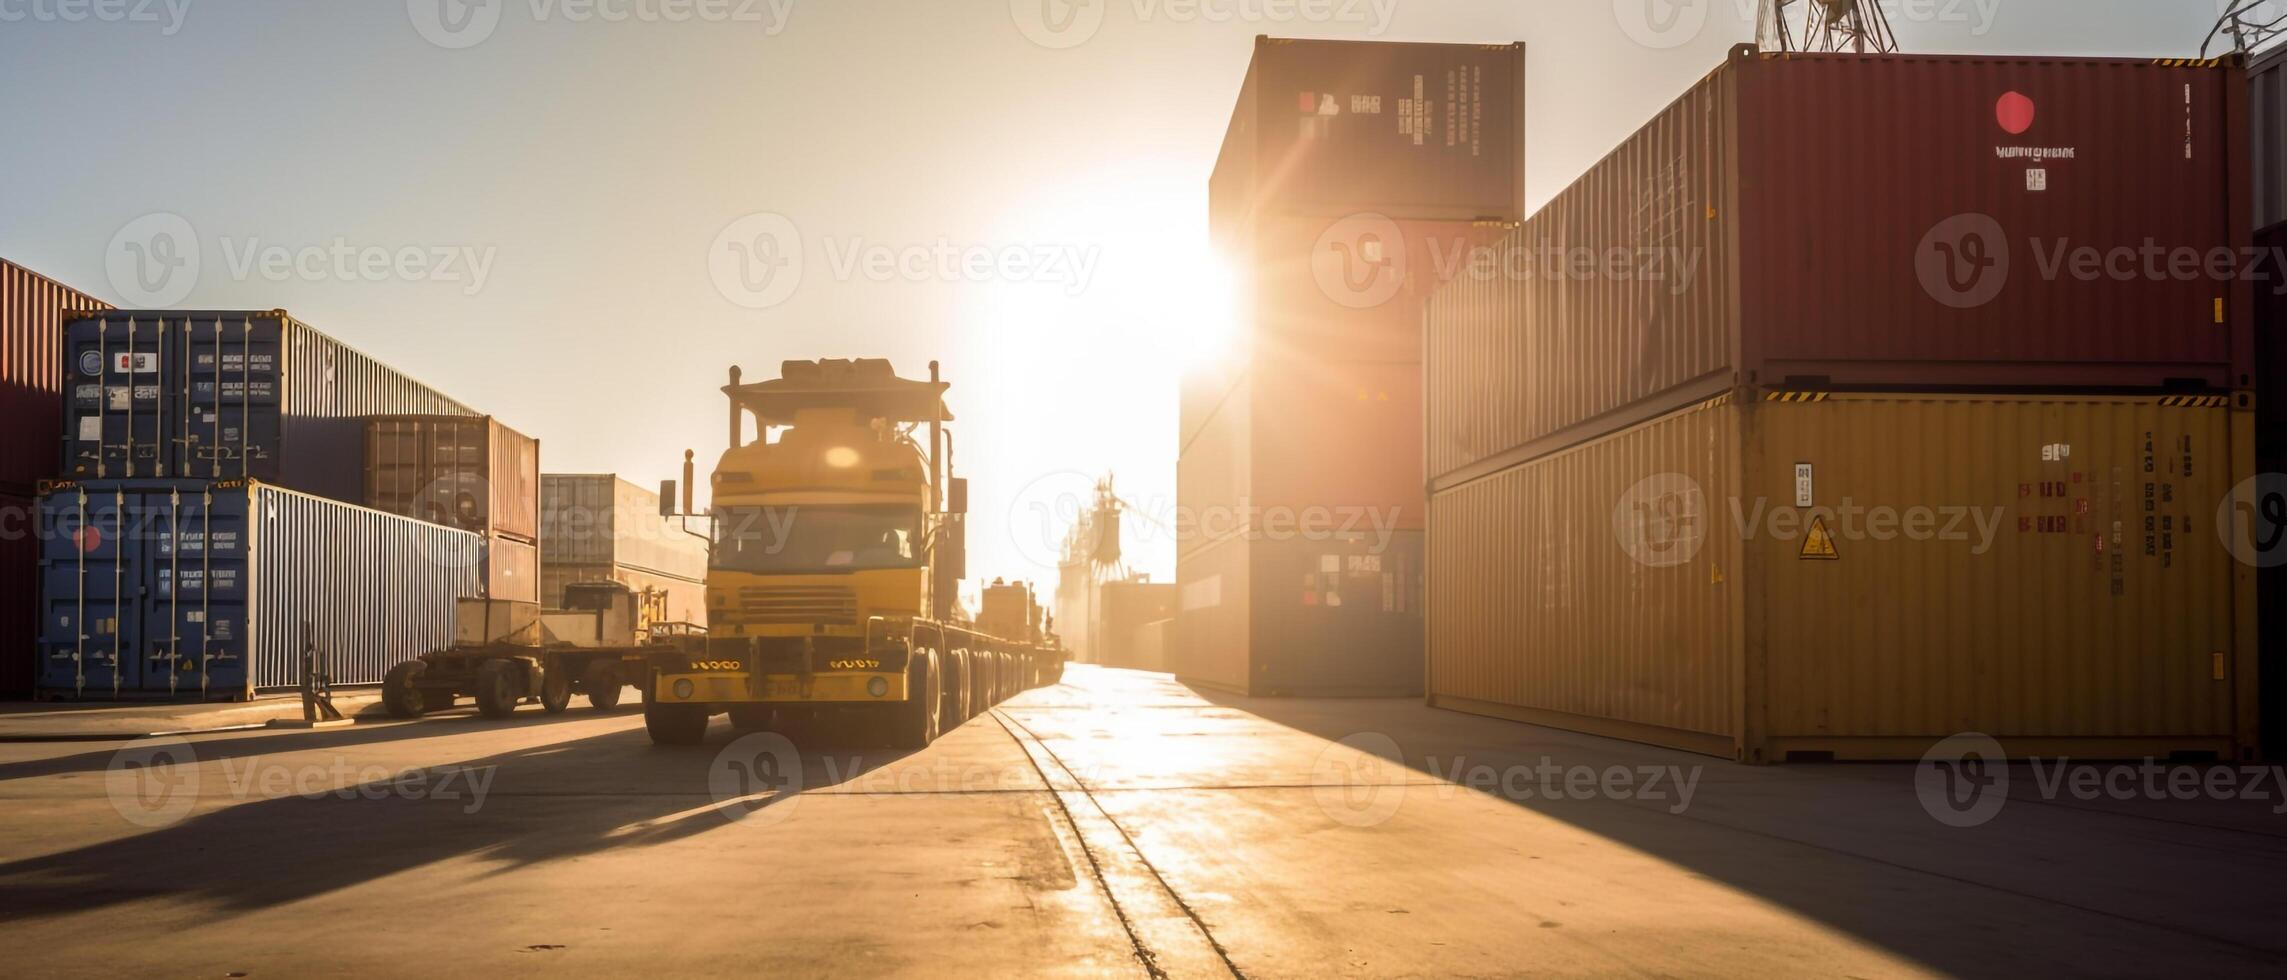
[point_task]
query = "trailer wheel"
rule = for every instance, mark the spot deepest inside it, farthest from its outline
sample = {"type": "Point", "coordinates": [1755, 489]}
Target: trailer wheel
{"type": "Point", "coordinates": [675, 724]}
{"type": "Point", "coordinates": [400, 695]}
{"type": "Point", "coordinates": [556, 689]}
{"type": "Point", "coordinates": [499, 685]}
{"type": "Point", "coordinates": [603, 684]}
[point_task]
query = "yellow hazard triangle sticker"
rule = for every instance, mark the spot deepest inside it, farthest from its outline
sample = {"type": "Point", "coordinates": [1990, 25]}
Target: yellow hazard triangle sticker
{"type": "Point", "coordinates": [1818, 545]}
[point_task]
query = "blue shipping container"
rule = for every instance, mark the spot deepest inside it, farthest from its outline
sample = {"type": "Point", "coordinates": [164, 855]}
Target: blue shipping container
{"type": "Point", "coordinates": [226, 396]}
{"type": "Point", "coordinates": [196, 590]}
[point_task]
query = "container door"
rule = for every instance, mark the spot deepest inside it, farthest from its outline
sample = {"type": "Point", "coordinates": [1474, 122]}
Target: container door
{"type": "Point", "coordinates": [91, 614]}
{"type": "Point", "coordinates": [124, 408]}
{"type": "Point", "coordinates": [199, 595]}
{"type": "Point", "coordinates": [234, 390]}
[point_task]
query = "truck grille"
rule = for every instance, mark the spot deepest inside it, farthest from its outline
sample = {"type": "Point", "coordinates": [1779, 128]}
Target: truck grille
{"type": "Point", "coordinates": [798, 606]}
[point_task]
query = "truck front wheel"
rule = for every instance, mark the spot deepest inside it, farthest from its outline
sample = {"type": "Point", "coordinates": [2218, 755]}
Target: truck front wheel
{"type": "Point", "coordinates": [675, 724]}
{"type": "Point", "coordinates": [914, 724]}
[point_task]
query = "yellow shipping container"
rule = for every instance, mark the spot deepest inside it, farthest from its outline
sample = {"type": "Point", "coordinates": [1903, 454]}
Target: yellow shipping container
{"type": "Point", "coordinates": [1857, 576]}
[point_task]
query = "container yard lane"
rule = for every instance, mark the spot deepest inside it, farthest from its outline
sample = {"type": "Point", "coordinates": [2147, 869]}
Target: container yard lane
{"type": "Point", "coordinates": [1116, 824]}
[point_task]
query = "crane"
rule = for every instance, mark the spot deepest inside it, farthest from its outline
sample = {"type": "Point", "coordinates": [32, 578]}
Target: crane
{"type": "Point", "coordinates": [2250, 24]}
{"type": "Point", "coordinates": [1857, 26]}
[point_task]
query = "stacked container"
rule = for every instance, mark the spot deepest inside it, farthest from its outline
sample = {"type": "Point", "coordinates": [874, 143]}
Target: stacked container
{"type": "Point", "coordinates": [214, 508]}
{"type": "Point", "coordinates": [1850, 451]}
{"type": "Point", "coordinates": [466, 472]}
{"type": "Point", "coordinates": [599, 528]}
{"type": "Point", "coordinates": [1352, 177]}
{"type": "Point", "coordinates": [32, 309]}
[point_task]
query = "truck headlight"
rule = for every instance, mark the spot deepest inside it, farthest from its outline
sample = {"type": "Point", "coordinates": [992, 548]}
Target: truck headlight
{"type": "Point", "coordinates": [877, 687]}
{"type": "Point", "coordinates": [684, 689]}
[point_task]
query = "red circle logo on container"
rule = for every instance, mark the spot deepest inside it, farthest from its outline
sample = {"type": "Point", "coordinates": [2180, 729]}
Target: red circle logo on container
{"type": "Point", "coordinates": [88, 538]}
{"type": "Point", "coordinates": [2015, 111]}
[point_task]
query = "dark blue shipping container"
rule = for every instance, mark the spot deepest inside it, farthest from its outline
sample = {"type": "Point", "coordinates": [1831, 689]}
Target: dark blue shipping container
{"type": "Point", "coordinates": [227, 396]}
{"type": "Point", "coordinates": [194, 590]}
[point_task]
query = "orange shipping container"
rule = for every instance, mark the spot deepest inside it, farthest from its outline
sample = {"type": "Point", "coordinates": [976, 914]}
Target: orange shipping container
{"type": "Point", "coordinates": [466, 472]}
{"type": "Point", "coordinates": [1859, 576]}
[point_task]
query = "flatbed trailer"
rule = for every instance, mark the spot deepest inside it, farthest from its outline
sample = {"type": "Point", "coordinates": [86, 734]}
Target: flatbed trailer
{"type": "Point", "coordinates": [510, 653]}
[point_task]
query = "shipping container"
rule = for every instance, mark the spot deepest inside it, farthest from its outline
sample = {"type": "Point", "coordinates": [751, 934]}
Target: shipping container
{"type": "Point", "coordinates": [1292, 615]}
{"type": "Point", "coordinates": [227, 396]}
{"type": "Point", "coordinates": [1339, 445]}
{"type": "Point", "coordinates": [1122, 609]}
{"type": "Point", "coordinates": [511, 569]}
{"type": "Point", "coordinates": [1856, 576]}
{"type": "Point", "coordinates": [1214, 627]}
{"type": "Point", "coordinates": [1350, 288]}
{"type": "Point", "coordinates": [600, 519]}
{"type": "Point", "coordinates": [2267, 136]}
{"type": "Point", "coordinates": [32, 309]}
{"type": "Point", "coordinates": [200, 590]}
{"type": "Point", "coordinates": [1878, 222]}
{"type": "Point", "coordinates": [1430, 131]}
{"type": "Point", "coordinates": [466, 472]}
{"type": "Point", "coordinates": [686, 598]}
{"type": "Point", "coordinates": [19, 594]}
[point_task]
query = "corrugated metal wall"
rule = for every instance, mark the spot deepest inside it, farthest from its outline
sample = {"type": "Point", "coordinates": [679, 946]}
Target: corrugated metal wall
{"type": "Point", "coordinates": [2100, 609]}
{"type": "Point", "coordinates": [380, 589]}
{"type": "Point", "coordinates": [471, 473]}
{"type": "Point", "coordinates": [1215, 474]}
{"type": "Point", "coordinates": [600, 519]}
{"type": "Point", "coordinates": [31, 375]}
{"type": "Point", "coordinates": [2044, 570]}
{"type": "Point", "coordinates": [203, 592]}
{"type": "Point", "coordinates": [1531, 346]}
{"type": "Point", "coordinates": [1598, 583]}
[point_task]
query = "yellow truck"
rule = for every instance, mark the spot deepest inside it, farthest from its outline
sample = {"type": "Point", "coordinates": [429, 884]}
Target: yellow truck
{"type": "Point", "coordinates": [833, 583]}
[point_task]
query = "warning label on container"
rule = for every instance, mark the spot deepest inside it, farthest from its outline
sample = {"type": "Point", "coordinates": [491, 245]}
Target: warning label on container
{"type": "Point", "coordinates": [1818, 545]}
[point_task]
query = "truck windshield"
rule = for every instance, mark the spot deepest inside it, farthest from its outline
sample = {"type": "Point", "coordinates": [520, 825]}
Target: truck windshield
{"type": "Point", "coordinates": [809, 538]}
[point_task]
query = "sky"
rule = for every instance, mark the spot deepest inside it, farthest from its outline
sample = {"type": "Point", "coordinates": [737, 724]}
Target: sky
{"type": "Point", "coordinates": [551, 209]}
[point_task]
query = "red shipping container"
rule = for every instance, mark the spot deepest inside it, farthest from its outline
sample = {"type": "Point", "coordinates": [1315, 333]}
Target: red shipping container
{"type": "Point", "coordinates": [1423, 131]}
{"type": "Point", "coordinates": [1823, 221]}
{"type": "Point", "coordinates": [31, 373]}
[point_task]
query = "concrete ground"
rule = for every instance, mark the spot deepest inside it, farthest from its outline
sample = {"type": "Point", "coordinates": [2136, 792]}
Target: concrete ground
{"type": "Point", "coordinates": [1117, 824]}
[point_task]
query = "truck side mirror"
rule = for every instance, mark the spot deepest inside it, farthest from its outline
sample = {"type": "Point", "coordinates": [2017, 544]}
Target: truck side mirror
{"type": "Point", "coordinates": [666, 498]}
{"type": "Point", "coordinates": [957, 550]}
{"type": "Point", "coordinates": [957, 496]}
